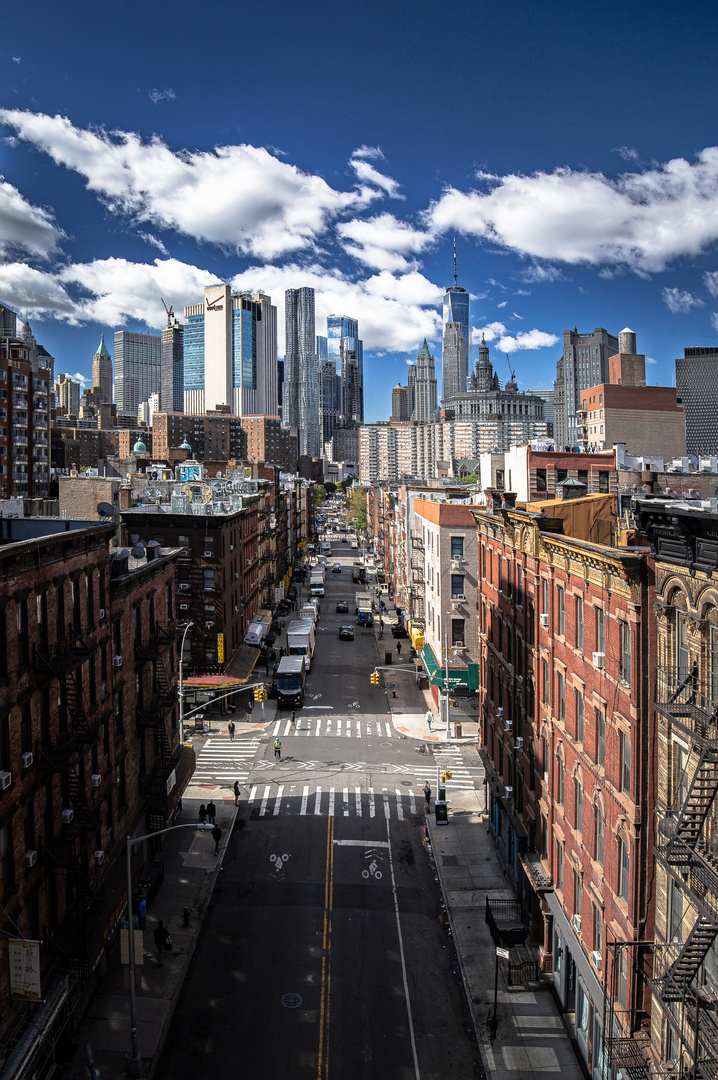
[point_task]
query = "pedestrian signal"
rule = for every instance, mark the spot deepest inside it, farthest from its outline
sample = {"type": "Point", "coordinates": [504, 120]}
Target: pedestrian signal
{"type": "Point", "coordinates": [375, 678]}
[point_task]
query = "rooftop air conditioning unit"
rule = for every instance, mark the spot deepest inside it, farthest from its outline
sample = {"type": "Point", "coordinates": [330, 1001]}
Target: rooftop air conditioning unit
{"type": "Point", "coordinates": [26, 760]}
{"type": "Point", "coordinates": [5, 780]}
{"type": "Point", "coordinates": [500, 711]}
{"type": "Point", "coordinates": [519, 742]}
{"type": "Point", "coordinates": [99, 857]}
{"type": "Point", "coordinates": [599, 660]}
{"type": "Point", "coordinates": [596, 959]}
{"type": "Point", "coordinates": [508, 791]}
{"type": "Point", "coordinates": [509, 725]}
{"type": "Point", "coordinates": [577, 923]}
{"type": "Point", "coordinates": [30, 858]}
{"type": "Point", "coordinates": [102, 614]}
{"type": "Point", "coordinates": [96, 779]}
{"type": "Point", "coordinates": [67, 816]}
{"type": "Point", "coordinates": [185, 586]}
{"type": "Point", "coordinates": [544, 620]}
{"type": "Point", "coordinates": [117, 661]}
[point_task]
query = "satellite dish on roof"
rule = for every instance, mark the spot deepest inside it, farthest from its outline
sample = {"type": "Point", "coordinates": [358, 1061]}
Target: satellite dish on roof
{"type": "Point", "coordinates": [105, 509]}
{"type": "Point", "coordinates": [138, 552]}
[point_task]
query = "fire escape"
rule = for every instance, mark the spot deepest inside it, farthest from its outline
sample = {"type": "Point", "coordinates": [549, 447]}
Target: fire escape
{"type": "Point", "coordinates": [684, 846]}
{"type": "Point", "coordinates": [63, 752]}
{"type": "Point", "coordinates": [416, 585]}
{"type": "Point", "coordinates": [154, 715]}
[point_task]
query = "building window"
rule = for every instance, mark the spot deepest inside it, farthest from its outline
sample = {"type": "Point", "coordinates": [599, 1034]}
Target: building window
{"type": "Point", "coordinates": [578, 703]}
{"type": "Point", "coordinates": [675, 911]}
{"type": "Point", "coordinates": [623, 868]}
{"type": "Point", "coordinates": [23, 639]}
{"type": "Point", "coordinates": [544, 742]}
{"type": "Point", "coordinates": [578, 800]}
{"type": "Point", "coordinates": [625, 762]}
{"type": "Point", "coordinates": [457, 547]}
{"type": "Point", "coordinates": [7, 859]}
{"type": "Point", "coordinates": [560, 781]}
{"type": "Point", "coordinates": [559, 866]}
{"type": "Point", "coordinates": [544, 596]}
{"type": "Point", "coordinates": [622, 977]}
{"type": "Point", "coordinates": [625, 645]}
{"type": "Point", "coordinates": [121, 786]}
{"type": "Point", "coordinates": [25, 727]}
{"type": "Point", "coordinates": [457, 585]}
{"type": "Point", "coordinates": [603, 479]}
{"type": "Point", "coordinates": [600, 737]}
{"type": "Point", "coordinates": [561, 683]}
{"type": "Point", "coordinates": [540, 480]}
{"type": "Point", "coordinates": [208, 580]}
{"type": "Point", "coordinates": [598, 839]}
{"type": "Point", "coordinates": [561, 611]}
{"type": "Point", "coordinates": [577, 894]}
{"type": "Point", "coordinates": [597, 931]}
{"type": "Point", "coordinates": [600, 631]}
{"type": "Point", "coordinates": [457, 632]}
{"type": "Point", "coordinates": [579, 622]}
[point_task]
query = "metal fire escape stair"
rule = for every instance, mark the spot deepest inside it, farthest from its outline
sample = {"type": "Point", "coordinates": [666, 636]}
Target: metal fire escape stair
{"type": "Point", "coordinates": [694, 811]}
{"type": "Point", "coordinates": [80, 724]}
{"type": "Point", "coordinates": [684, 969]}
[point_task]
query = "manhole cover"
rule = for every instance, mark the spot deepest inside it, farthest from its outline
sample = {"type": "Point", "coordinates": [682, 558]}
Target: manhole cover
{"type": "Point", "coordinates": [406, 783]}
{"type": "Point", "coordinates": [384, 744]}
{"type": "Point", "coordinates": [291, 1001]}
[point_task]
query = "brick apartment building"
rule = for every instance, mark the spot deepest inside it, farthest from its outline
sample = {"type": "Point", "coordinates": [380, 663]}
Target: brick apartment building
{"type": "Point", "coordinates": [88, 752]}
{"type": "Point", "coordinates": [568, 637]}
{"type": "Point", "coordinates": [25, 384]}
{"type": "Point", "coordinates": [219, 436]}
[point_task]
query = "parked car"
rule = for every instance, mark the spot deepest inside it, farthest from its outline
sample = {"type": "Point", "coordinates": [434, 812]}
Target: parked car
{"type": "Point", "coordinates": [292, 593]}
{"type": "Point", "coordinates": [346, 633]}
{"type": "Point", "coordinates": [398, 630]}
{"type": "Point", "coordinates": [337, 568]}
{"type": "Point", "coordinates": [342, 607]}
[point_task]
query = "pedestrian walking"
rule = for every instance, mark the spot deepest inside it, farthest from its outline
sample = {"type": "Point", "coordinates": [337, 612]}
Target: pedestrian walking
{"type": "Point", "coordinates": [231, 728]}
{"type": "Point", "coordinates": [281, 652]}
{"type": "Point", "coordinates": [427, 794]}
{"type": "Point", "coordinates": [202, 813]}
{"type": "Point", "coordinates": [141, 911]}
{"type": "Point", "coordinates": [398, 648]}
{"type": "Point", "coordinates": [250, 709]}
{"type": "Point", "coordinates": [216, 836]}
{"type": "Point", "coordinates": [429, 717]}
{"type": "Point", "coordinates": [293, 724]}
{"type": "Point", "coordinates": [236, 792]}
{"type": "Point", "coordinates": [163, 941]}
{"type": "Point", "coordinates": [211, 812]}
{"type": "Point", "coordinates": [267, 662]}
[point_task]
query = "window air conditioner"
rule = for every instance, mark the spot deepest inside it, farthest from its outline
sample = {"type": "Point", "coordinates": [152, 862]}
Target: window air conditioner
{"type": "Point", "coordinates": [596, 960]}
{"type": "Point", "coordinates": [185, 586]}
{"type": "Point", "coordinates": [102, 614]}
{"type": "Point", "coordinates": [509, 725]}
{"type": "Point", "coordinates": [184, 607]}
{"type": "Point", "coordinates": [544, 620]}
{"type": "Point", "coordinates": [458, 645]}
{"type": "Point", "coordinates": [500, 711]}
{"type": "Point", "coordinates": [5, 780]}
{"type": "Point", "coordinates": [458, 599]}
{"type": "Point", "coordinates": [30, 858]}
{"type": "Point", "coordinates": [519, 742]}
{"type": "Point", "coordinates": [456, 564]}
{"type": "Point", "coordinates": [208, 554]}
{"type": "Point", "coordinates": [508, 791]}
{"type": "Point", "coordinates": [599, 660]}
{"type": "Point", "coordinates": [99, 857]}
{"type": "Point", "coordinates": [577, 923]}
{"type": "Point", "coordinates": [117, 661]}
{"type": "Point", "coordinates": [67, 816]}
{"type": "Point", "coordinates": [96, 779]}
{"type": "Point", "coordinates": [26, 760]}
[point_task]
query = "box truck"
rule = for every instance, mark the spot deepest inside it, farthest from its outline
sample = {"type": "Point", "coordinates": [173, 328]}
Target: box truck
{"type": "Point", "coordinates": [290, 681]}
{"type": "Point", "coordinates": [300, 640]}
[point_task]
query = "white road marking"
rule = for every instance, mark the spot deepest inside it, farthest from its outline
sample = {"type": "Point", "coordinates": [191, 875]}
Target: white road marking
{"type": "Point", "coordinates": [278, 800]}
{"type": "Point", "coordinates": [317, 802]}
{"type": "Point", "coordinates": [372, 805]}
{"type": "Point", "coordinates": [357, 796]}
{"type": "Point", "coordinates": [345, 801]}
{"type": "Point", "coordinates": [399, 807]}
{"type": "Point", "coordinates": [263, 807]}
{"type": "Point", "coordinates": [331, 802]}
{"type": "Point", "coordinates": [305, 799]}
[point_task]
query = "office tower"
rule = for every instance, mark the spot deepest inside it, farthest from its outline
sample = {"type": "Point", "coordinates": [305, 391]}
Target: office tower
{"type": "Point", "coordinates": [345, 351]}
{"type": "Point", "coordinates": [67, 394]}
{"type": "Point", "coordinates": [172, 393]}
{"type": "Point", "coordinates": [583, 364]}
{"type": "Point", "coordinates": [548, 399]}
{"type": "Point", "coordinates": [138, 369]}
{"type": "Point", "coordinates": [402, 403]}
{"type": "Point", "coordinates": [328, 383]}
{"type": "Point", "coordinates": [455, 363]}
{"type": "Point", "coordinates": [301, 375]}
{"type": "Point", "coordinates": [697, 389]}
{"type": "Point", "coordinates": [230, 353]}
{"type": "Point", "coordinates": [280, 387]}
{"type": "Point", "coordinates": [425, 393]}
{"type": "Point", "coordinates": [102, 372]}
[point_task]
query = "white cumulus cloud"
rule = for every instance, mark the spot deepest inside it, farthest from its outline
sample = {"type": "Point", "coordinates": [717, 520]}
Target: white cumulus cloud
{"type": "Point", "coordinates": [383, 242]}
{"type": "Point", "coordinates": [641, 220]}
{"type": "Point", "coordinates": [679, 301]}
{"type": "Point", "coordinates": [710, 280]}
{"type": "Point", "coordinates": [509, 343]}
{"type": "Point", "coordinates": [240, 197]}
{"type": "Point", "coordinates": [25, 227]}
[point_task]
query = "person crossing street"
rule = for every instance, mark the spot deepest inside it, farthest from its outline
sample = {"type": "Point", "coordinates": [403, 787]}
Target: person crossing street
{"type": "Point", "coordinates": [278, 749]}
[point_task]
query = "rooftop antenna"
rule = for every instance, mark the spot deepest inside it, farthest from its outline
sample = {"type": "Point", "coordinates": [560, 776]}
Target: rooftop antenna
{"type": "Point", "coordinates": [456, 279]}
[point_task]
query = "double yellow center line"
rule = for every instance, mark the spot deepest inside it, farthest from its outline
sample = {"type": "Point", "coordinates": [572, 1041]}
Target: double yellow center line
{"type": "Point", "coordinates": [324, 1002]}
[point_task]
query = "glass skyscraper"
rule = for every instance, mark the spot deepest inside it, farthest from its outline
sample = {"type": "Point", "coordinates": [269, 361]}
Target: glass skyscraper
{"type": "Point", "coordinates": [455, 367]}
{"type": "Point", "coordinates": [300, 401]}
{"type": "Point", "coordinates": [345, 351]}
{"type": "Point", "coordinates": [138, 369]}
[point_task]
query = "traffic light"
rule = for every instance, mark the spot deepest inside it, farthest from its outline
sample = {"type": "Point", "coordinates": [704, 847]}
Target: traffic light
{"type": "Point", "coordinates": [260, 694]}
{"type": "Point", "coordinates": [375, 678]}
{"type": "Point", "coordinates": [446, 776]}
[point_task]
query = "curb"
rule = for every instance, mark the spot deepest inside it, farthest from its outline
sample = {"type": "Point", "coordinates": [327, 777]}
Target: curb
{"type": "Point", "coordinates": [190, 952]}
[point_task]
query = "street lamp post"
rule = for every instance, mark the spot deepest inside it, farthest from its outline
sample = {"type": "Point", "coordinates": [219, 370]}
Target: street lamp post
{"type": "Point", "coordinates": [181, 688]}
{"type": "Point", "coordinates": [133, 1066]}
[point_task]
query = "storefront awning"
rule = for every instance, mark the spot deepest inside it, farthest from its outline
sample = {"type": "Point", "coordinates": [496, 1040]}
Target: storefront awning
{"type": "Point", "coordinates": [467, 677]}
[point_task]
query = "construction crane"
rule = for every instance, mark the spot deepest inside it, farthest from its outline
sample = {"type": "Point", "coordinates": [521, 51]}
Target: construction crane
{"type": "Point", "coordinates": [170, 312]}
{"type": "Point", "coordinates": [511, 370]}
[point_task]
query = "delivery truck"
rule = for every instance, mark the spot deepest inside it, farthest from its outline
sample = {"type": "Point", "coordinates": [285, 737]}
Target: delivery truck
{"type": "Point", "coordinates": [290, 681]}
{"type": "Point", "coordinates": [301, 639]}
{"type": "Point", "coordinates": [363, 609]}
{"type": "Point", "coordinates": [259, 627]}
{"type": "Point", "coordinates": [316, 582]}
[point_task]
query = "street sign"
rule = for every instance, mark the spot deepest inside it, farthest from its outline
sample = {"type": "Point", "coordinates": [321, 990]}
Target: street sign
{"type": "Point", "coordinates": [220, 648]}
{"type": "Point", "coordinates": [503, 953]}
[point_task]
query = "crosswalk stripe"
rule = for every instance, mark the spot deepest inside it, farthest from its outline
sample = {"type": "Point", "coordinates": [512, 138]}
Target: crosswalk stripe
{"type": "Point", "coordinates": [263, 807]}
{"type": "Point", "coordinates": [317, 802]}
{"type": "Point", "coordinates": [252, 794]}
{"type": "Point", "coordinates": [372, 806]}
{"type": "Point", "coordinates": [399, 807]}
{"type": "Point", "coordinates": [278, 800]}
{"type": "Point", "coordinates": [268, 803]}
{"type": "Point", "coordinates": [331, 802]}
{"type": "Point", "coordinates": [305, 799]}
{"type": "Point", "coordinates": [357, 796]}
{"type": "Point", "coordinates": [412, 803]}
{"type": "Point", "coordinates": [345, 795]}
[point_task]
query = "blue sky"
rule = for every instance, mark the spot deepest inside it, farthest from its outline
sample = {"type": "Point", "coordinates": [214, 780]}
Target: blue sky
{"type": "Point", "coordinates": [149, 149]}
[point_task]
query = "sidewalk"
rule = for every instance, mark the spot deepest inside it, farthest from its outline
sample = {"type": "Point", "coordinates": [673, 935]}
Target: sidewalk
{"type": "Point", "coordinates": [191, 868]}
{"type": "Point", "coordinates": [531, 1039]}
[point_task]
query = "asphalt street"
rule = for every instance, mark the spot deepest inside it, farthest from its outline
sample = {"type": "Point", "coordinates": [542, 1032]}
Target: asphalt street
{"type": "Point", "coordinates": [324, 953]}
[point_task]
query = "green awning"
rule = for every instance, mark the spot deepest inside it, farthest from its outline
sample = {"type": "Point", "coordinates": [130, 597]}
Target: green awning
{"type": "Point", "coordinates": [467, 677]}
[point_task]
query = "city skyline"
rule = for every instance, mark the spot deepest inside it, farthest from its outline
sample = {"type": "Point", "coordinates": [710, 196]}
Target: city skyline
{"type": "Point", "coordinates": [117, 194]}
